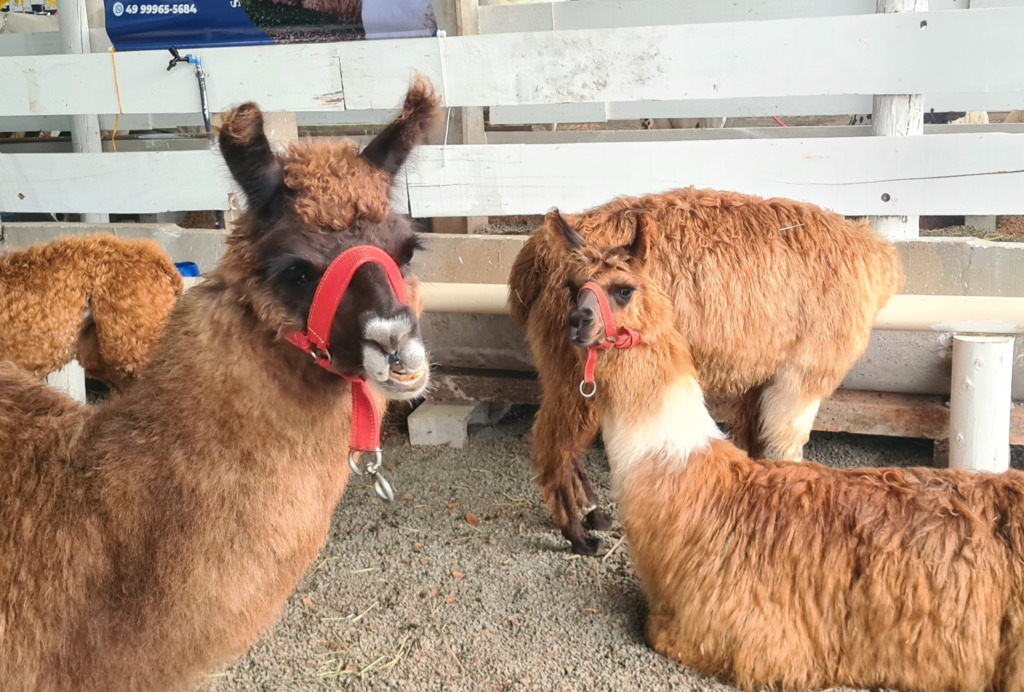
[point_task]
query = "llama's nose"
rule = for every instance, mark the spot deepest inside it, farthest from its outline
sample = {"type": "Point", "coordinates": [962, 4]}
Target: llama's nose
{"type": "Point", "coordinates": [581, 323]}
{"type": "Point", "coordinates": [579, 319]}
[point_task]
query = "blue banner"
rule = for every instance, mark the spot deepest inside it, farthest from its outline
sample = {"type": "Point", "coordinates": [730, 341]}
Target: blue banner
{"type": "Point", "coordinates": [159, 25]}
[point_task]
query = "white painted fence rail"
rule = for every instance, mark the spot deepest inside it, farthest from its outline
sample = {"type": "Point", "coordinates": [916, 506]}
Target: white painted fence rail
{"type": "Point", "coordinates": [849, 55]}
{"type": "Point", "coordinates": [928, 174]}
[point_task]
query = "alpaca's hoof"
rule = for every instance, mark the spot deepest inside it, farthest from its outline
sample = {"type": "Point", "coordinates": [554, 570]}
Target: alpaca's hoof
{"type": "Point", "coordinates": [597, 520]}
{"type": "Point", "coordinates": [590, 545]}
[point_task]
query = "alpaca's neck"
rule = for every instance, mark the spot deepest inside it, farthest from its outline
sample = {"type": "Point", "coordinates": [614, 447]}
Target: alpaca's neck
{"type": "Point", "coordinates": [652, 409]}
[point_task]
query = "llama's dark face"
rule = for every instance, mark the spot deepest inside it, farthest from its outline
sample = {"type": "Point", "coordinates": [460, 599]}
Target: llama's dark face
{"type": "Point", "coordinates": [310, 204]}
{"type": "Point", "coordinates": [620, 274]}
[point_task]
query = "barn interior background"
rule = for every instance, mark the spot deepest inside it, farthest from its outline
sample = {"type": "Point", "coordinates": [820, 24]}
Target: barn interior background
{"type": "Point", "coordinates": [547, 106]}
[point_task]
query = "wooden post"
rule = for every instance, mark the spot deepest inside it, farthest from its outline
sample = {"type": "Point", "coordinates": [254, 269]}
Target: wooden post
{"type": "Point", "coordinates": [980, 403]}
{"type": "Point", "coordinates": [70, 379]}
{"type": "Point", "coordinates": [470, 122]}
{"type": "Point", "coordinates": [898, 115]}
{"type": "Point", "coordinates": [85, 129]}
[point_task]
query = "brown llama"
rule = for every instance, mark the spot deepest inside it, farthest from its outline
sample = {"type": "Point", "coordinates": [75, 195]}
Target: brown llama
{"type": "Point", "coordinates": [100, 299]}
{"type": "Point", "coordinates": [781, 575]}
{"type": "Point", "coordinates": [152, 538]}
{"type": "Point", "coordinates": [775, 297]}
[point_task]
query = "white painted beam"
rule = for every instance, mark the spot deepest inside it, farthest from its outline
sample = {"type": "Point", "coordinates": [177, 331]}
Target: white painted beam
{"type": "Point", "coordinates": [851, 55]}
{"type": "Point", "coordinates": [949, 174]}
{"type": "Point", "coordinates": [70, 379]}
{"type": "Point", "coordinates": [978, 174]}
{"type": "Point", "coordinates": [738, 107]}
{"type": "Point", "coordinates": [980, 403]}
{"type": "Point", "coordinates": [598, 14]}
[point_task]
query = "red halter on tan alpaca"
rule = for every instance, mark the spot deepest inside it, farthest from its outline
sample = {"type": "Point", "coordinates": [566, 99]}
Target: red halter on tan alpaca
{"type": "Point", "coordinates": [624, 337]}
{"type": "Point", "coordinates": [316, 342]}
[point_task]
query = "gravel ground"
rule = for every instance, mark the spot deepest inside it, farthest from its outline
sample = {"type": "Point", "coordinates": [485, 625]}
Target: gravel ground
{"type": "Point", "coordinates": [463, 583]}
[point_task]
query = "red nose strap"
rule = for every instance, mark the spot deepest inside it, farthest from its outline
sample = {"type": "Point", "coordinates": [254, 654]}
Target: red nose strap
{"type": "Point", "coordinates": [316, 341]}
{"type": "Point", "coordinates": [624, 337]}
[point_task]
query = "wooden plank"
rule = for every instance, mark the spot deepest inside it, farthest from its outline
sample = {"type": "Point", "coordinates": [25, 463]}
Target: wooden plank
{"type": "Point", "coordinates": [793, 132]}
{"type": "Point", "coordinates": [598, 14]}
{"type": "Point", "coordinates": [306, 75]}
{"type": "Point", "coordinates": [855, 176]}
{"type": "Point", "coordinates": [738, 108]}
{"type": "Point", "coordinates": [135, 182]}
{"type": "Point", "coordinates": [125, 183]}
{"type": "Point", "coordinates": [944, 175]}
{"type": "Point", "coordinates": [851, 55]}
{"type": "Point", "coordinates": [46, 43]}
{"type": "Point", "coordinates": [863, 413]}
{"type": "Point", "coordinates": [797, 57]}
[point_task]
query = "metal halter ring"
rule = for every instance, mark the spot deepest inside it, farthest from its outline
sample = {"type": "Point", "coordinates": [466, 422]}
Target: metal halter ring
{"type": "Point", "coordinates": [353, 461]}
{"type": "Point", "coordinates": [383, 488]}
{"type": "Point", "coordinates": [593, 390]}
{"type": "Point", "coordinates": [319, 353]}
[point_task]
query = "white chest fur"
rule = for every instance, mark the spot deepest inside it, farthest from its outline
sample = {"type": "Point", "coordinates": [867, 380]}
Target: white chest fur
{"type": "Point", "coordinates": [668, 432]}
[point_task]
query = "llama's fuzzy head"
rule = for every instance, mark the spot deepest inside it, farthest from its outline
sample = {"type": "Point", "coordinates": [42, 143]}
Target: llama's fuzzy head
{"type": "Point", "coordinates": [307, 205]}
{"type": "Point", "coordinates": [621, 272]}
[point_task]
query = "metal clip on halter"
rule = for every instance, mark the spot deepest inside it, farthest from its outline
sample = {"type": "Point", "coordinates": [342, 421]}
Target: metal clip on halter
{"type": "Point", "coordinates": [593, 389]}
{"type": "Point", "coordinates": [380, 484]}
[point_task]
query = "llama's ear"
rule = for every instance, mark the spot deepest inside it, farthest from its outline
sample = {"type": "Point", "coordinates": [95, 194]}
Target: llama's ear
{"type": "Point", "coordinates": [247, 153]}
{"type": "Point", "coordinates": [569, 234]}
{"type": "Point", "coordinates": [389, 150]}
{"type": "Point", "coordinates": [642, 237]}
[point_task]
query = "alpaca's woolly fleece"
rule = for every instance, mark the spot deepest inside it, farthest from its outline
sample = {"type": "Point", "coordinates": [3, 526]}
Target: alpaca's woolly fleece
{"type": "Point", "coordinates": [98, 298]}
{"type": "Point", "coordinates": [776, 297]}
{"type": "Point", "coordinates": [149, 539]}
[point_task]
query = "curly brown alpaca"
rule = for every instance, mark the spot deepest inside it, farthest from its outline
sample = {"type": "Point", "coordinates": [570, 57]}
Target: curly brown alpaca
{"type": "Point", "coordinates": [776, 298]}
{"type": "Point", "coordinates": [792, 576]}
{"type": "Point", "coordinates": [152, 538]}
{"type": "Point", "coordinates": [98, 298]}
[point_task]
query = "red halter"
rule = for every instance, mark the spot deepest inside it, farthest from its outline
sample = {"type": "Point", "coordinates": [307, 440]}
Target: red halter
{"type": "Point", "coordinates": [624, 337]}
{"type": "Point", "coordinates": [315, 341]}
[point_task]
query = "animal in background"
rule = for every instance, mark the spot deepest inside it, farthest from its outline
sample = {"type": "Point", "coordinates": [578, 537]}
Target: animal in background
{"type": "Point", "coordinates": [776, 298]}
{"type": "Point", "coordinates": [782, 575]}
{"type": "Point", "coordinates": [98, 298]}
{"type": "Point", "coordinates": [151, 538]}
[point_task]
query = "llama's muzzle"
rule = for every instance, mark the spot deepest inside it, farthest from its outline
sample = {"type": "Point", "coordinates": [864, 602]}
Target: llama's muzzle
{"type": "Point", "coordinates": [586, 325]}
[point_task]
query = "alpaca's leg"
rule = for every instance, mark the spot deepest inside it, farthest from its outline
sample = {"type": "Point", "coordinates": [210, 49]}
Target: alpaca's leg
{"type": "Point", "coordinates": [595, 518]}
{"type": "Point", "coordinates": [565, 428]}
{"type": "Point", "coordinates": [745, 423]}
{"type": "Point", "coordinates": [787, 416]}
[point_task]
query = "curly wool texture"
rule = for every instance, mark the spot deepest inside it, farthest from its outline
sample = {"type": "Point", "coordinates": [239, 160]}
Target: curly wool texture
{"type": "Point", "coordinates": [126, 287]}
{"type": "Point", "coordinates": [333, 186]}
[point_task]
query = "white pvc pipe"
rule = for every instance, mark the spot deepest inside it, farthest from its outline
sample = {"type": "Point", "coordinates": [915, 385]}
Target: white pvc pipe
{"type": "Point", "coordinates": [980, 403]}
{"type": "Point", "coordinates": [972, 314]}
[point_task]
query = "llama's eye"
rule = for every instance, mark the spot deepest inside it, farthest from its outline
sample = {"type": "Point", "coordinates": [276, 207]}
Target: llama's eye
{"type": "Point", "coordinates": [625, 293]}
{"type": "Point", "coordinates": [297, 274]}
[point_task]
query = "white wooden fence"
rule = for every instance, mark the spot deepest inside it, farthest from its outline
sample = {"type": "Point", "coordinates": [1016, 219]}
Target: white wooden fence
{"type": "Point", "coordinates": [785, 57]}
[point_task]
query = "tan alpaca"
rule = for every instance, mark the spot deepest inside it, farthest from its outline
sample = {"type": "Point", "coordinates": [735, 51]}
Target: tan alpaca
{"type": "Point", "coordinates": [152, 538]}
{"type": "Point", "coordinates": [100, 299]}
{"type": "Point", "coordinates": [788, 575]}
{"type": "Point", "coordinates": [776, 298]}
